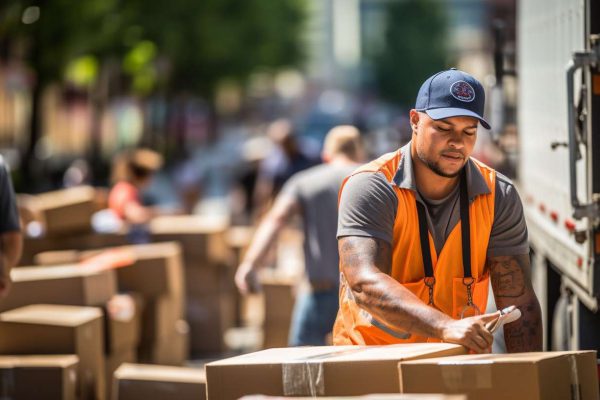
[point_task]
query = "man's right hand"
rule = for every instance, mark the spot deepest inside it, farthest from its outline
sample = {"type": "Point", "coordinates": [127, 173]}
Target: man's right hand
{"type": "Point", "coordinates": [470, 332]}
{"type": "Point", "coordinates": [246, 279]}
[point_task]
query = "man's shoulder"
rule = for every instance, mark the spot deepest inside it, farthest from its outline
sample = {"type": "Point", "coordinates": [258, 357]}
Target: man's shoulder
{"type": "Point", "coordinates": [324, 171]}
{"type": "Point", "coordinates": [504, 185]}
{"type": "Point", "coordinates": [369, 186]}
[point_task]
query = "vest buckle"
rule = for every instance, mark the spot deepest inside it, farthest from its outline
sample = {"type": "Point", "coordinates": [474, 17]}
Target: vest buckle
{"type": "Point", "coordinates": [430, 283]}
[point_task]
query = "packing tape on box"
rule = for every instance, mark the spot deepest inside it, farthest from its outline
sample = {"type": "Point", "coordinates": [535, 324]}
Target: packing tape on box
{"type": "Point", "coordinates": [303, 379]}
{"type": "Point", "coordinates": [575, 386]}
{"type": "Point", "coordinates": [456, 378]}
{"type": "Point", "coordinates": [306, 376]}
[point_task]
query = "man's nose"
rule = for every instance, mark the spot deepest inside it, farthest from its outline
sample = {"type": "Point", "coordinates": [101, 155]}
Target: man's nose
{"type": "Point", "coordinates": [456, 140]}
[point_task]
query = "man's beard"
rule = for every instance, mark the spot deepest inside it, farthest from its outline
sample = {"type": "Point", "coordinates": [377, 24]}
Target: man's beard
{"type": "Point", "coordinates": [435, 167]}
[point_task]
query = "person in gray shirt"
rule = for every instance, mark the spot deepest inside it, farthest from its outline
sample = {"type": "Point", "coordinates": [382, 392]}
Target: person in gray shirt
{"type": "Point", "coordinates": [423, 230]}
{"type": "Point", "coordinates": [312, 194]}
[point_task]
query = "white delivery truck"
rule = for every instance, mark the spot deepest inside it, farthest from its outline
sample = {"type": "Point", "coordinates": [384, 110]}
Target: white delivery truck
{"type": "Point", "coordinates": [558, 175]}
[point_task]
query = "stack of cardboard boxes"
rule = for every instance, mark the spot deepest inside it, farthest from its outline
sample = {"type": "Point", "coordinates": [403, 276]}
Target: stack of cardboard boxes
{"type": "Point", "coordinates": [279, 299]}
{"type": "Point", "coordinates": [157, 276]}
{"type": "Point", "coordinates": [54, 329]}
{"type": "Point", "coordinates": [419, 368]}
{"type": "Point", "coordinates": [74, 285]}
{"type": "Point", "coordinates": [143, 382]}
{"type": "Point", "coordinates": [123, 331]}
{"type": "Point", "coordinates": [154, 274]}
{"type": "Point", "coordinates": [60, 220]}
{"type": "Point", "coordinates": [39, 377]}
{"type": "Point", "coordinates": [210, 291]}
{"type": "Point", "coordinates": [210, 302]}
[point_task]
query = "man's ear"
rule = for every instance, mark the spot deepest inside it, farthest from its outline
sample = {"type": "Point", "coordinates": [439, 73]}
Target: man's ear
{"type": "Point", "coordinates": [414, 120]}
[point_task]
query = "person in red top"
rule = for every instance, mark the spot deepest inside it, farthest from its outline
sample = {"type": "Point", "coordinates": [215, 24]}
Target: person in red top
{"type": "Point", "coordinates": [133, 172]}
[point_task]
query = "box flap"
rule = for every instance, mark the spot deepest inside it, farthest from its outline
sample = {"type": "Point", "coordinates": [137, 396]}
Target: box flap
{"type": "Point", "coordinates": [159, 373]}
{"type": "Point", "coordinates": [49, 314]}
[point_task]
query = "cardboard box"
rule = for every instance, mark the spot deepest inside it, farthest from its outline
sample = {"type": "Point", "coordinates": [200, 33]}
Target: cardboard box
{"type": "Point", "coordinates": [68, 285]}
{"type": "Point", "coordinates": [172, 350]}
{"type": "Point", "coordinates": [38, 377]}
{"type": "Point", "coordinates": [208, 278]}
{"type": "Point", "coordinates": [544, 375]}
{"type": "Point", "coordinates": [58, 257]}
{"type": "Point", "coordinates": [320, 371]}
{"type": "Point", "coordinates": [124, 323]}
{"type": "Point", "coordinates": [34, 246]}
{"type": "Point", "coordinates": [143, 382]}
{"type": "Point", "coordinates": [54, 329]}
{"type": "Point", "coordinates": [157, 268]}
{"type": "Point", "coordinates": [275, 336]}
{"type": "Point", "coordinates": [201, 237]}
{"type": "Point", "coordinates": [367, 397]}
{"type": "Point", "coordinates": [114, 361]}
{"type": "Point", "coordinates": [279, 299]}
{"type": "Point", "coordinates": [162, 261]}
{"type": "Point", "coordinates": [209, 318]}
{"type": "Point", "coordinates": [160, 317]}
{"type": "Point", "coordinates": [66, 211]}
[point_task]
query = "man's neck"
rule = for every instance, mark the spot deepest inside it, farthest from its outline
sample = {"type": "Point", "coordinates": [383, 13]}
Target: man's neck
{"type": "Point", "coordinates": [341, 159]}
{"type": "Point", "coordinates": [430, 184]}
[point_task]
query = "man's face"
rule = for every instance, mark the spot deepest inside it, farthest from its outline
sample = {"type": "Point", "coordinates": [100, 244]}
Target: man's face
{"type": "Point", "coordinates": [443, 145]}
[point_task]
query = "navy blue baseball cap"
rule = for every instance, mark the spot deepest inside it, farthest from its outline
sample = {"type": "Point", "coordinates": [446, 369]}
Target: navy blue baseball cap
{"type": "Point", "coordinates": [452, 93]}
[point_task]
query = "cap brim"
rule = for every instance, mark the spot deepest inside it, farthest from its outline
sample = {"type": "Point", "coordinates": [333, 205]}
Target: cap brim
{"type": "Point", "coordinates": [441, 113]}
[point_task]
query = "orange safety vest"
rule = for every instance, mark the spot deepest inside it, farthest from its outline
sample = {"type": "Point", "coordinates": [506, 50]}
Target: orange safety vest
{"type": "Point", "coordinates": [356, 326]}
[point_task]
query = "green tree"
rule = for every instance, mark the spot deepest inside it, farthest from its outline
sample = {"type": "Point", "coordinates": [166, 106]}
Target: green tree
{"type": "Point", "coordinates": [415, 48]}
{"type": "Point", "coordinates": [180, 45]}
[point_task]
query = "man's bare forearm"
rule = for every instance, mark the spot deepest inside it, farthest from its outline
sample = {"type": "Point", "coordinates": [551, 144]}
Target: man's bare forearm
{"type": "Point", "coordinates": [511, 282]}
{"type": "Point", "coordinates": [366, 264]}
{"type": "Point", "coordinates": [268, 229]}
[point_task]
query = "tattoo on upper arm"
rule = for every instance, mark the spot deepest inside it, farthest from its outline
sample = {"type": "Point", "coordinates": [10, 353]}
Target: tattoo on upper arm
{"type": "Point", "coordinates": [510, 275]}
{"type": "Point", "coordinates": [357, 251]}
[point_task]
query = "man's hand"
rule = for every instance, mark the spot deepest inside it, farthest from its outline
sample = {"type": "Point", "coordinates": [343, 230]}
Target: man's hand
{"type": "Point", "coordinates": [470, 332]}
{"type": "Point", "coordinates": [246, 279]}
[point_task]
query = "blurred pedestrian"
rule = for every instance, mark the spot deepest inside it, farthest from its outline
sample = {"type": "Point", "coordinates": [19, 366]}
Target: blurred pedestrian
{"type": "Point", "coordinates": [132, 173]}
{"type": "Point", "coordinates": [286, 158]}
{"type": "Point", "coordinates": [11, 239]}
{"type": "Point", "coordinates": [313, 195]}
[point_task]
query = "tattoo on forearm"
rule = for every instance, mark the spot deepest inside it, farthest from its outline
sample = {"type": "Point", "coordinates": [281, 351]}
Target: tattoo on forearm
{"type": "Point", "coordinates": [511, 284]}
{"type": "Point", "coordinates": [525, 334]}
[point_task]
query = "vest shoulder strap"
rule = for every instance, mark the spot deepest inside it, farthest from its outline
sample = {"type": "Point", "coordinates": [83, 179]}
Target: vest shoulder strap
{"type": "Point", "coordinates": [386, 164]}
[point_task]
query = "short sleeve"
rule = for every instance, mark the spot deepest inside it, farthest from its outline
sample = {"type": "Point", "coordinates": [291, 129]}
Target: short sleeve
{"type": "Point", "coordinates": [9, 213]}
{"type": "Point", "coordinates": [291, 187]}
{"type": "Point", "coordinates": [509, 230]}
{"type": "Point", "coordinates": [367, 207]}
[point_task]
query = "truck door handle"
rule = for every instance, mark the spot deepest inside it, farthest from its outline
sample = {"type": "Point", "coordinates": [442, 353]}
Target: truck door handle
{"type": "Point", "coordinates": [580, 59]}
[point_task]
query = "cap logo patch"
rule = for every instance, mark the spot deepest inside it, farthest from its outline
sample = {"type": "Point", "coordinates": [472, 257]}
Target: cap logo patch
{"type": "Point", "coordinates": [462, 91]}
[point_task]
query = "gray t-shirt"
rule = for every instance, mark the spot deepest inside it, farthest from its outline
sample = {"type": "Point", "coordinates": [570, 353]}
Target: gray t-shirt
{"type": "Point", "coordinates": [316, 190]}
{"type": "Point", "coordinates": [9, 214]}
{"type": "Point", "coordinates": [368, 208]}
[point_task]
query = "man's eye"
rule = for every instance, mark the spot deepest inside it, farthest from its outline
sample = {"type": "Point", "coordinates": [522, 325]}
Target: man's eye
{"type": "Point", "coordinates": [471, 133]}
{"type": "Point", "coordinates": [443, 129]}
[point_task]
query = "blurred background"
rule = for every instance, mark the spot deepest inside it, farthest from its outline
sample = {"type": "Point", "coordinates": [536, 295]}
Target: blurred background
{"type": "Point", "coordinates": [199, 81]}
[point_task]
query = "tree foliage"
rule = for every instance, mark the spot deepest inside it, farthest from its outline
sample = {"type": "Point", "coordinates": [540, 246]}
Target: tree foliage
{"type": "Point", "coordinates": [415, 48]}
{"type": "Point", "coordinates": [201, 42]}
